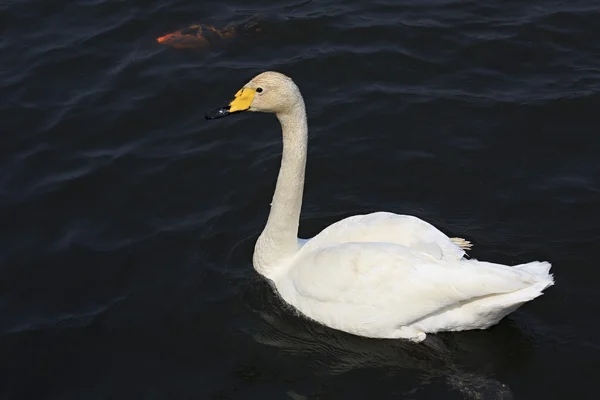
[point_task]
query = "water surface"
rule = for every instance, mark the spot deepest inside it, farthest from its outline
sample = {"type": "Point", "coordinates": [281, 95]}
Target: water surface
{"type": "Point", "coordinates": [128, 221]}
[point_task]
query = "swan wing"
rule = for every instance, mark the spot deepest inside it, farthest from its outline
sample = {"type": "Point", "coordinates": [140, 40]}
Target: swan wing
{"type": "Point", "coordinates": [395, 279]}
{"type": "Point", "coordinates": [388, 227]}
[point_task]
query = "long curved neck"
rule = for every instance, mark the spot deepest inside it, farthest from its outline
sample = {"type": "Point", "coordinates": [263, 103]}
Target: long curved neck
{"type": "Point", "coordinates": [279, 239]}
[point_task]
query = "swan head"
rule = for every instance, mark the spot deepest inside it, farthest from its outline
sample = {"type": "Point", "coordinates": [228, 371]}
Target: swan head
{"type": "Point", "coordinates": [270, 92]}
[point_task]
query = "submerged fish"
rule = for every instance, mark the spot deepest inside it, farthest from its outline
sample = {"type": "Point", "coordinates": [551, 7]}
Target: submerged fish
{"type": "Point", "coordinates": [201, 36]}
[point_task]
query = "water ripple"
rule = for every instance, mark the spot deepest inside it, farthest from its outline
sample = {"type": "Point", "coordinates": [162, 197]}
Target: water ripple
{"type": "Point", "coordinates": [124, 209]}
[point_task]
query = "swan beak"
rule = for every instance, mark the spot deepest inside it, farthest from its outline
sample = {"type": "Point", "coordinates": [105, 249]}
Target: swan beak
{"type": "Point", "coordinates": [241, 102]}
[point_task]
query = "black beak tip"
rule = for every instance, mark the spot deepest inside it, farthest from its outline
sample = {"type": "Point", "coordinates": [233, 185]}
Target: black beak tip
{"type": "Point", "coordinates": [218, 112]}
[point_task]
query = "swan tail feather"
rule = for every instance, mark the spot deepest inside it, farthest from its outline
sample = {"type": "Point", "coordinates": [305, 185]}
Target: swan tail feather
{"type": "Point", "coordinates": [539, 269]}
{"type": "Point", "coordinates": [462, 243]}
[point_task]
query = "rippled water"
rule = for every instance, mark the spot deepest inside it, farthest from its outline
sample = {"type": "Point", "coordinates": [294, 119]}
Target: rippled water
{"type": "Point", "coordinates": [128, 221]}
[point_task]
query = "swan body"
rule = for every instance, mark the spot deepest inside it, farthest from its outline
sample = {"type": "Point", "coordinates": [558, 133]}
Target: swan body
{"type": "Point", "coordinates": [380, 275]}
{"type": "Point", "coordinates": [387, 227]}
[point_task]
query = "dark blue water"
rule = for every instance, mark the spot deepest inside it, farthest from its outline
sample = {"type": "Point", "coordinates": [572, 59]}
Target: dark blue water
{"type": "Point", "coordinates": [128, 221]}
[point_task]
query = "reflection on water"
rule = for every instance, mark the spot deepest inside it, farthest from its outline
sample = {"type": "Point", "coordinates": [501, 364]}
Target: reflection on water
{"type": "Point", "coordinates": [334, 353]}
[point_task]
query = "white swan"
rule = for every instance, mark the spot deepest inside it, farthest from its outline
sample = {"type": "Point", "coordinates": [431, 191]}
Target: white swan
{"type": "Point", "coordinates": [380, 275]}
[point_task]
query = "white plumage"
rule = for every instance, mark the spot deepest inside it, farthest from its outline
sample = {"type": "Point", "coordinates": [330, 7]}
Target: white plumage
{"type": "Point", "coordinates": [380, 275]}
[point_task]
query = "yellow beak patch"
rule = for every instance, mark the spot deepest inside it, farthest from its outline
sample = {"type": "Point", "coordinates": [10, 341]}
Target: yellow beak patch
{"type": "Point", "coordinates": [243, 100]}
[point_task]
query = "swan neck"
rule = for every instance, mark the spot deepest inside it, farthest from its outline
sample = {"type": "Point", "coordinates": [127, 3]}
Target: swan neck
{"type": "Point", "coordinates": [279, 239]}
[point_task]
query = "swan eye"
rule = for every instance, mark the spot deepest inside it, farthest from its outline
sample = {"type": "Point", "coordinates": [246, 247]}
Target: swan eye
{"type": "Point", "coordinates": [259, 90]}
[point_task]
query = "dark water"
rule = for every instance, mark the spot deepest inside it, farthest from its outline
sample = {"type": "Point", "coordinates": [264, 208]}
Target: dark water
{"type": "Point", "coordinates": [128, 221]}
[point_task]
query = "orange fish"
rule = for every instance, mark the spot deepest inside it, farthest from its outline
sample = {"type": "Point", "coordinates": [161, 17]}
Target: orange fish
{"type": "Point", "coordinates": [199, 36]}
